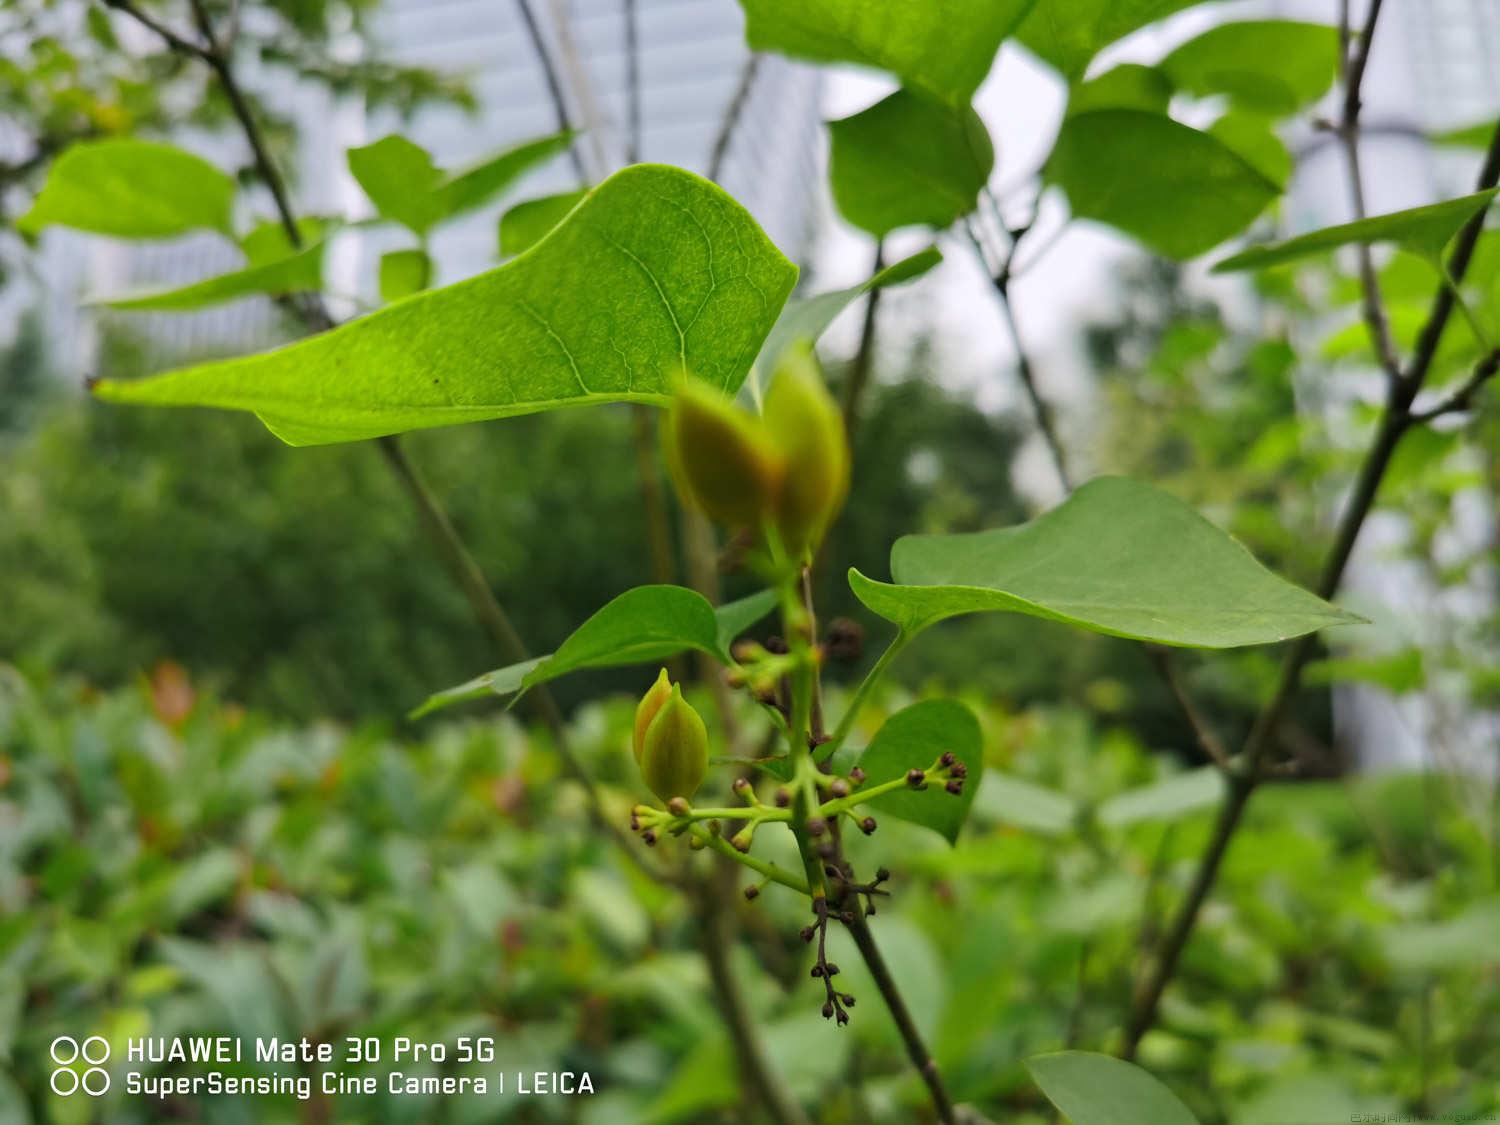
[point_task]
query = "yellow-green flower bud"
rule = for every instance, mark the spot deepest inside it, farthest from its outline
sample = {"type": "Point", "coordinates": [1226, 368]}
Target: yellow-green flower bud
{"type": "Point", "coordinates": [722, 458]}
{"type": "Point", "coordinates": [647, 708]}
{"type": "Point", "coordinates": [808, 430]}
{"type": "Point", "coordinates": [674, 757]}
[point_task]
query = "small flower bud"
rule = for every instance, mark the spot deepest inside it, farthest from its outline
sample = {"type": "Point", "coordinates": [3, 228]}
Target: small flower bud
{"type": "Point", "coordinates": [839, 788]}
{"type": "Point", "coordinates": [857, 776]}
{"type": "Point", "coordinates": [740, 785]}
{"type": "Point", "coordinates": [722, 458]}
{"type": "Point", "coordinates": [826, 850]}
{"type": "Point", "coordinates": [845, 640]}
{"type": "Point", "coordinates": [954, 786]}
{"type": "Point", "coordinates": [647, 708]}
{"type": "Point", "coordinates": [752, 892]}
{"type": "Point", "coordinates": [740, 842]}
{"type": "Point", "coordinates": [695, 844]}
{"type": "Point", "coordinates": [959, 770]}
{"type": "Point", "coordinates": [650, 838]}
{"type": "Point", "coordinates": [882, 874]}
{"type": "Point", "coordinates": [816, 826]}
{"type": "Point", "coordinates": [947, 759]}
{"type": "Point", "coordinates": [867, 826]}
{"type": "Point", "coordinates": [916, 778]}
{"type": "Point", "coordinates": [677, 807]}
{"type": "Point", "coordinates": [674, 753]}
{"type": "Point", "coordinates": [806, 933]}
{"type": "Point", "coordinates": [808, 431]}
{"type": "Point", "coordinates": [831, 969]}
{"type": "Point", "coordinates": [783, 798]}
{"type": "Point", "coordinates": [828, 1009]}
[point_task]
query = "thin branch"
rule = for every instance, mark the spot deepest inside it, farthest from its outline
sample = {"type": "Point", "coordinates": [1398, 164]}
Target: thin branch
{"type": "Point", "coordinates": [1352, 63]}
{"type": "Point", "coordinates": [1207, 740]}
{"type": "Point", "coordinates": [864, 357]}
{"type": "Point", "coordinates": [632, 83]}
{"type": "Point", "coordinates": [560, 111]}
{"type": "Point", "coordinates": [1395, 420]}
{"type": "Point", "coordinates": [730, 122]}
{"type": "Point", "coordinates": [1462, 398]}
{"type": "Point", "coordinates": [173, 39]}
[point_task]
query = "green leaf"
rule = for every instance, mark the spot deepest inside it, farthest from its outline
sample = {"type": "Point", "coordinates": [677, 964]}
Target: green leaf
{"type": "Point", "coordinates": [641, 626]}
{"type": "Point", "coordinates": [1466, 939]}
{"type": "Point", "coordinates": [1253, 137]}
{"type": "Point", "coordinates": [131, 188]}
{"type": "Point", "coordinates": [1068, 33]}
{"type": "Point", "coordinates": [526, 224]}
{"type": "Point", "coordinates": [1023, 804]}
{"type": "Point", "coordinates": [941, 47]}
{"type": "Point", "coordinates": [1477, 135]}
{"type": "Point", "coordinates": [1171, 799]}
{"type": "Point", "coordinates": [1422, 230]}
{"type": "Point", "coordinates": [1118, 165]}
{"type": "Point", "coordinates": [1093, 1089]}
{"type": "Point", "coordinates": [299, 272]}
{"type": "Point", "coordinates": [809, 317]}
{"type": "Point", "coordinates": [657, 271]}
{"type": "Point", "coordinates": [1271, 66]}
{"type": "Point", "coordinates": [1127, 86]}
{"type": "Point", "coordinates": [476, 186]}
{"type": "Point", "coordinates": [913, 738]}
{"type": "Point", "coordinates": [1400, 672]}
{"type": "Point", "coordinates": [406, 186]}
{"type": "Point", "coordinates": [908, 161]}
{"type": "Point", "coordinates": [1118, 557]}
{"type": "Point", "coordinates": [404, 272]}
{"type": "Point", "coordinates": [401, 181]}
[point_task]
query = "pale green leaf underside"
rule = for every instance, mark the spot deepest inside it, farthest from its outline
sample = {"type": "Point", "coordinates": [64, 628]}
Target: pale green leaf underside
{"type": "Point", "coordinates": [913, 738]}
{"type": "Point", "coordinates": [1172, 798]}
{"type": "Point", "coordinates": [656, 272]}
{"type": "Point", "coordinates": [300, 272]}
{"type": "Point", "coordinates": [941, 47]}
{"type": "Point", "coordinates": [1118, 557]}
{"type": "Point", "coordinates": [1422, 230]}
{"type": "Point", "coordinates": [642, 625]}
{"type": "Point", "coordinates": [807, 318]}
{"type": "Point", "coordinates": [131, 188]}
{"type": "Point", "coordinates": [1092, 1089]}
{"type": "Point", "coordinates": [527, 223]}
{"type": "Point", "coordinates": [908, 161]}
{"type": "Point", "coordinates": [1119, 165]}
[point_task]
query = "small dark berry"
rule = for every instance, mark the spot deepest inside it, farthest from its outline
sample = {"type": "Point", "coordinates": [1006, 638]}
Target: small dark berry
{"type": "Point", "coordinates": [831, 969]}
{"type": "Point", "coordinates": [882, 874]}
{"type": "Point", "coordinates": [959, 770]}
{"type": "Point", "coordinates": [843, 1018]}
{"type": "Point", "coordinates": [783, 798]}
{"type": "Point", "coordinates": [947, 759]}
{"type": "Point", "coordinates": [845, 640]}
{"type": "Point", "coordinates": [752, 892]}
{"type": "Point", "coordinates": [817, 970]}
{"type": "Point", "coordinates": [955, 786]}
{"type": "Point", "coordinates": [650, 838]}
{"type": "Point", "coordinates": [848, 1000]}
{"type": "Point", "coordinates": [806, 933]}
{"type": "Point", "coordinates": [816, 826]}
{"type": "Point", "coordinates": [857, 776]}
{"type": "Point", "coordinates": [915, 778]}
{"type": "Point", "coordinates": [867, 826]}
{"type": "Point", "coordinates": [828, 1010]}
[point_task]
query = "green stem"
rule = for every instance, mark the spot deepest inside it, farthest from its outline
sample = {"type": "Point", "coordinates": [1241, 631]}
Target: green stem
{"type": "Point", "coordinates": [769, 870]}
{"type": "Point", "coordinates": [854, 800]}
{"type": "Point", "coordinates": [862, 693]}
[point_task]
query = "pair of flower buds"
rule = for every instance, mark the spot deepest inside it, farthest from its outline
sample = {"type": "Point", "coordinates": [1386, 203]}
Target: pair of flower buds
{"type": "Point", "coordinates": [670, 741]}
{"type": "Point", "coordinates": [784, 473]}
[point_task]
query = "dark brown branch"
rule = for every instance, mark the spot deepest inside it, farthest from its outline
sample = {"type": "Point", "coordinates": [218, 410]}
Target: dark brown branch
{"type": "Point", "coordinates": [173, 39]}
{"type": "Point", "coordinates": [864, 358]}
{"type": "Point", "coordinates": [1204, 734]}
{"type": "Point", "coordinates": [1462, 398]}
{"type": "Point", "coordinates": [733, 112]}
{"type": "Point", "coordinates": [1395, 420]}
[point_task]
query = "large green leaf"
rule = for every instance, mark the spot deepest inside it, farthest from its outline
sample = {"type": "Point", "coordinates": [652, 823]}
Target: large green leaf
{"type": "Point", "coordinates": [527, 223]}
{"type": "Point", "coordinates": [1093, 1089]}
{"type": "Point", "coordinates": [657, 272]}
{"type": "Point", "coordinates": [298, 272]}
{"type": "Point", "coordinates": [404, 272]}
{"type": "Point", "coordinates": [941, 47]}
{"type": "Point", "coordinates": [1118, 557]}
{"type": "Point", "coordinates": [1271, 66]}
{"type": "Point", "coordinates": [1178, 190]}
{"type": "Point", "coordinates": [406, 186]}
{"type": "Point", "coordinates": [1069, 33]}
{"type": "Point", "coordinates": [1127, 86]}
{"type": "Point", "coordinates": [1422, 230]}
{"type": "Point", "coordinates": [1171, 798]}
{"type": "Point", "coordinates": [132, 189]}
{"type": "Point", "coordinates": [643, 625]}
{"type": "Point", "coordinates": [908, 161]}
{"type": "Point", "coordinates": [913, 738]}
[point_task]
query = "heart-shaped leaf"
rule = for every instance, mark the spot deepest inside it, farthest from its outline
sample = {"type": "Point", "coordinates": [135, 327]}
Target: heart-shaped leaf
{"type": "Point", "coordinates": [908, 161]}
{"type": "Point", "coordinates": [913, 738]}
{"type": "Point", "coordinates": [1093, 1089]}
{"type": "Point", "coordinates": [1118, 165]}
{"type": "Point", "coordinates": [942, 47]}
{"type": "Point", "coordinates": [1117, 557]}
{"type": "Point", "coordinates": [131, 188]}
{"type": "Point", "coordinates": [1422, 230]}
{"type": "Point", "coordinates": [656, 272]}
{"type": "Point", "coordinates": [1269, 66]}
{"type": "Point", "coordinates": [643, 625]}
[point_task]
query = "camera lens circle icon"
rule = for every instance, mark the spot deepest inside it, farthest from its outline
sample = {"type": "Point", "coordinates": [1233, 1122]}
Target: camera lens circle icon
{"type": "Point", "coordinates": [64, 1050]}
{"type": "Point", "coordinates": [64, 1082]}
{"type": "Point", "coordinates": [95, 1081]}
{"type": "Point", "coordinates": [88, 1050]}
